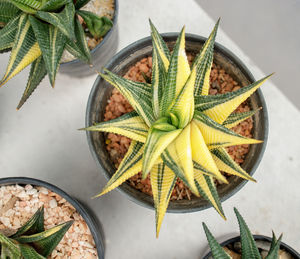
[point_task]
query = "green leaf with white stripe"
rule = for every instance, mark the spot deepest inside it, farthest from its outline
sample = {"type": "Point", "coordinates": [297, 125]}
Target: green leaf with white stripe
{"type": "Point", "coordinates": [52, 44]}
{"type": "Point", "coordinates": [130, 166]}
{"type": "Point", "coordinates": [137, 94]}
{"type": "Point", "coordinates": [45, 242]}
{"type": "Point", "coordinates": [130, 125]}
{"type": "Point", "coordinates": [7, 12]}
{"type": "Point", "coordinates": [80, 48]}
{"type": "Point", "coordinates": [25, 50]}
{"type": "Point", "coordinates": [219, 107]}
{"type": "Point", "coordinates": [27, 6]}
{"type": "Point", "coordinates": [203, 63]}
{"type": "Point", "coordinates": [8, 34]}
{"type": "Point", "coordinates": [156, 143]}
{"type": "Point", "coordinates": [249, 248]}
{"type": "Point", "coordinates": [12, 248]}
{"type": "Point", "coordinates": [28, 252]}
{"type": "Point", "coordinates": [178, 73]}
{"type": "Point", "coordinates": [216, 250]}
{"type": "Point", "coordinates": [64, 20]}
{"type": "Point", "coordinates": [162, 181]}
{"type": "Point", "coordinates": [53, 5]}
{"type": "Point", "coordinates": [37, 73]}
{"type": "Point", "coordinates": [236, 118]}
{"type": "Point", "coordinates": [226, 164]}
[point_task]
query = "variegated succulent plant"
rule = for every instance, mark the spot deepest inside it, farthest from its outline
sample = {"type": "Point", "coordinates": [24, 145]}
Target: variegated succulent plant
{"type": "Point", "coordinates": [38, 31]}
{"type": "Point", "coordinates": [249, 247]}
{"type": "Point", "coordinates": [177, 129]}
{"type": "Point", "coordinates": [32, 241]}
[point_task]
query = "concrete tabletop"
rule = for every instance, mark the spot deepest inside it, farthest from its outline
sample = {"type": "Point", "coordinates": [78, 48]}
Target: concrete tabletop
{"type": "Point", "coordinates": [41, 141]}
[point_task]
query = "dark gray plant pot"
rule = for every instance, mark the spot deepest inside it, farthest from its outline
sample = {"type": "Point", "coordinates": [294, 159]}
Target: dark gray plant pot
{"type": "Point", "coordinates": [283, 246]}
{"type": "Point", "coordinates": [89, 217]}
{"type": "Point", "coordinates": [120, 64]}
{"type": "Point", "coordinates": [100, 54]}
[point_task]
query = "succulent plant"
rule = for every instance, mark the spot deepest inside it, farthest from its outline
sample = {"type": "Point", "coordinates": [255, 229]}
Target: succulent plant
{"type": "Point", "coordinates": [249, 247]}
{"type": "Point", "coordinates": [38, 31]}
{"type": "Point", "coordinates": [32, 241]}
{"type": "Point", "coordinates": [177, 129]}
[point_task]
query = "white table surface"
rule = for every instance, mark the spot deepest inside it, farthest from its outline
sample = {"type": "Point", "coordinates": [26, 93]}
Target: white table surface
{"type": "Point", "coordinates": [41, 141]}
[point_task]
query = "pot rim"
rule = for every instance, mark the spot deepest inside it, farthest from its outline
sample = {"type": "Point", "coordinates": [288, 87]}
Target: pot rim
{"type": "Point", "coordinates": [88, 216]}
{"type": "Point", "coordinates": [283, 245]}
{"type": "Point", "coordinates": [125, 52]}
{"type": "Point", "coordinates": [107, 35]}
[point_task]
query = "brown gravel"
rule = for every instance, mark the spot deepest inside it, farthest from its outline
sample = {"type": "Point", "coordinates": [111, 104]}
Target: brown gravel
{"type": "Point", "coordinates": [117, 145]}
{"type": "Point", "coordinates": [18, 204]}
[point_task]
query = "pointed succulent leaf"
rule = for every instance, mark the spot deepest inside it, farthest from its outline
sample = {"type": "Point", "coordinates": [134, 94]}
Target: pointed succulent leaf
{"type": "Point", "coordinates": [219, 107]}
{"type": "Point", "coordinates": [9, 246]}
{"type": "Point", "coordinates": [45, 242]}
{"type": "Point", "coordinates": [8, 33]}
{"type": "Point", "coordinates": [52, 44]}
{"type": "Point", "coordinates": [37, 73]}
{"type": "Point", "coordinates": [225, 163]}
{"type": "Point", "coordinates": [25, 50]}
{"type": "Point", "coordinates": [216, 250]}
{"type": "Point", "coordinates": [178, 73]}
{"type": "Point", "coordinates": [130, 125]}
{"type": "Point", "coordinates": [137, 94]}
{"type": "Point", "coordinates": [162, 181]}
{"type": "Point", "coordinates": [249, 248]}
{"type": "Point", "coordinates": [216, 135]}
{"type": "Point", "coordinates": [80, 48]}
{"type": "Point", "coordinates": [64, 20]}
{"type": "Point", "coordinates": [130, 165]}
{"type": "Point", "coordinates": [201, 154]}
{"type": "Point", "coordinates": [28, 252]}
{"type": "Point", "coordinates": [156, 143]}
{"type": "Point", "coordinates": [7, 12]}
{"type": "Point", "coordinates": [207, 189]}
{"type": "Point", "coordinates": [203, 63]}
{"type": "Point", "coordinates": [27, 6]}
{"type": "Point", "coordinates": [236, 118]}
{"type": "Point", "coordinates": [275, 245]}
{"type": "Point", "coordinates": [80, 3]}
{"type": "Point", "coordinates": [34, 225]}
{"type": "Point", "coordinates": [53, 5]}
{"type": "Point", "coordinates": [97, 26]}
{"type": "Point", "coordinates": [7, 252]}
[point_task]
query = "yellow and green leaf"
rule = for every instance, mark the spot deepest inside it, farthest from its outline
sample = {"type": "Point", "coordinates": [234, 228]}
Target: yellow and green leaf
{"type": "Point", "coordinates": [162, 181]}
{"type": "Point", "coordinates": [236, 118]}
{"type": "Point", "coordinates": [28, 252]}
{"type": "Point", "coordinates": [25, 50]}
{"type": "Point", "coordinates": [216, 135]}
{"type": "Point", "coordinates": [7, 12]}
{"type": "Point", "coordinates": [12, 248]}
{"type": "Point", "coordinates": [8, 34]}
{"type": "Point", "coordinates": [203, 63]}
{"type": "Point", "coordinates": [53, 5]}
{"type": "Point", "coordinates": [130, 166]}
{"type": "Point", "coordinates": [130, 125]}
{"type": "Point", "coordinates": [27, 6]}
{"type": "Point", "coordinates": [138, 94]}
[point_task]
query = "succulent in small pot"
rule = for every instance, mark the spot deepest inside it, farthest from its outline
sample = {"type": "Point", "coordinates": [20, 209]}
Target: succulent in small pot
{"type": "Point", "coordinates": [44, 206]}
{"type": "Point", "coordinates": [37, 33]}
{"type": "Point", "coordinates": [248, 246]}
{"type": "Point", "coordinates": [177, 129]}
{"type": "Point", "coordinates": [32, 241]}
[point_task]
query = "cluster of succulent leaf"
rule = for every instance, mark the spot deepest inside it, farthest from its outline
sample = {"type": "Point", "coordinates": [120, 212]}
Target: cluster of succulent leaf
{"type": "Point", "coordinates": [32, 241]}
{"type": "Point", "coordinates": [177, 129]}
{"type": "Point", "coordinates": [249, 247]}
{"type": "Point", "coordinates": [38, 31]}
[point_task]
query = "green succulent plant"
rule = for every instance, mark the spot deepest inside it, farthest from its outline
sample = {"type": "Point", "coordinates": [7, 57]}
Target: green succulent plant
{"type": "Point", "coordinates": [38, 31]}
{"type": "Point", "coordinates": [32, 241]}
{"type": "Point", "coordinates": [249, 247]}
{"type": "Point", "coordinates": [177, 129]}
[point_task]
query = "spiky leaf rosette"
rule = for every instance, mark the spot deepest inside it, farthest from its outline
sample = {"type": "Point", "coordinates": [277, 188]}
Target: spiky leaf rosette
{"type": "Point", "coordinates": [178, 130]}
{"type": "Point", "coordinates": [249, 248]}
{"type": "Point", "coordinates": [37, 32]}
{"type": "Point", "coordinates": [32, 241]}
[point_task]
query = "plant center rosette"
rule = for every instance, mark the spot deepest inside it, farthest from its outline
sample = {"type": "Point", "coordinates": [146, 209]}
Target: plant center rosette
{"type": "Point", "coordinates": [177, 129]}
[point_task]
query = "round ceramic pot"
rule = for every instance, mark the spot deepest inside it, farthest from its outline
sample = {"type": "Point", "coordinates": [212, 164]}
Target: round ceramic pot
{"type": "Point", "coordinates": [233, 240]}
{"type": "Point", "coordinates": [100, 54]}
{"type": "Point", "coordinates": [90, 219]}
{"type": "Point", "coordinates": [121, 63]}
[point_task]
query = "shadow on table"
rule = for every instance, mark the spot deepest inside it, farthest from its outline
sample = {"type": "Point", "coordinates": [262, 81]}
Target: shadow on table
{"type": "Point", "coordinates": [266, 32]}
